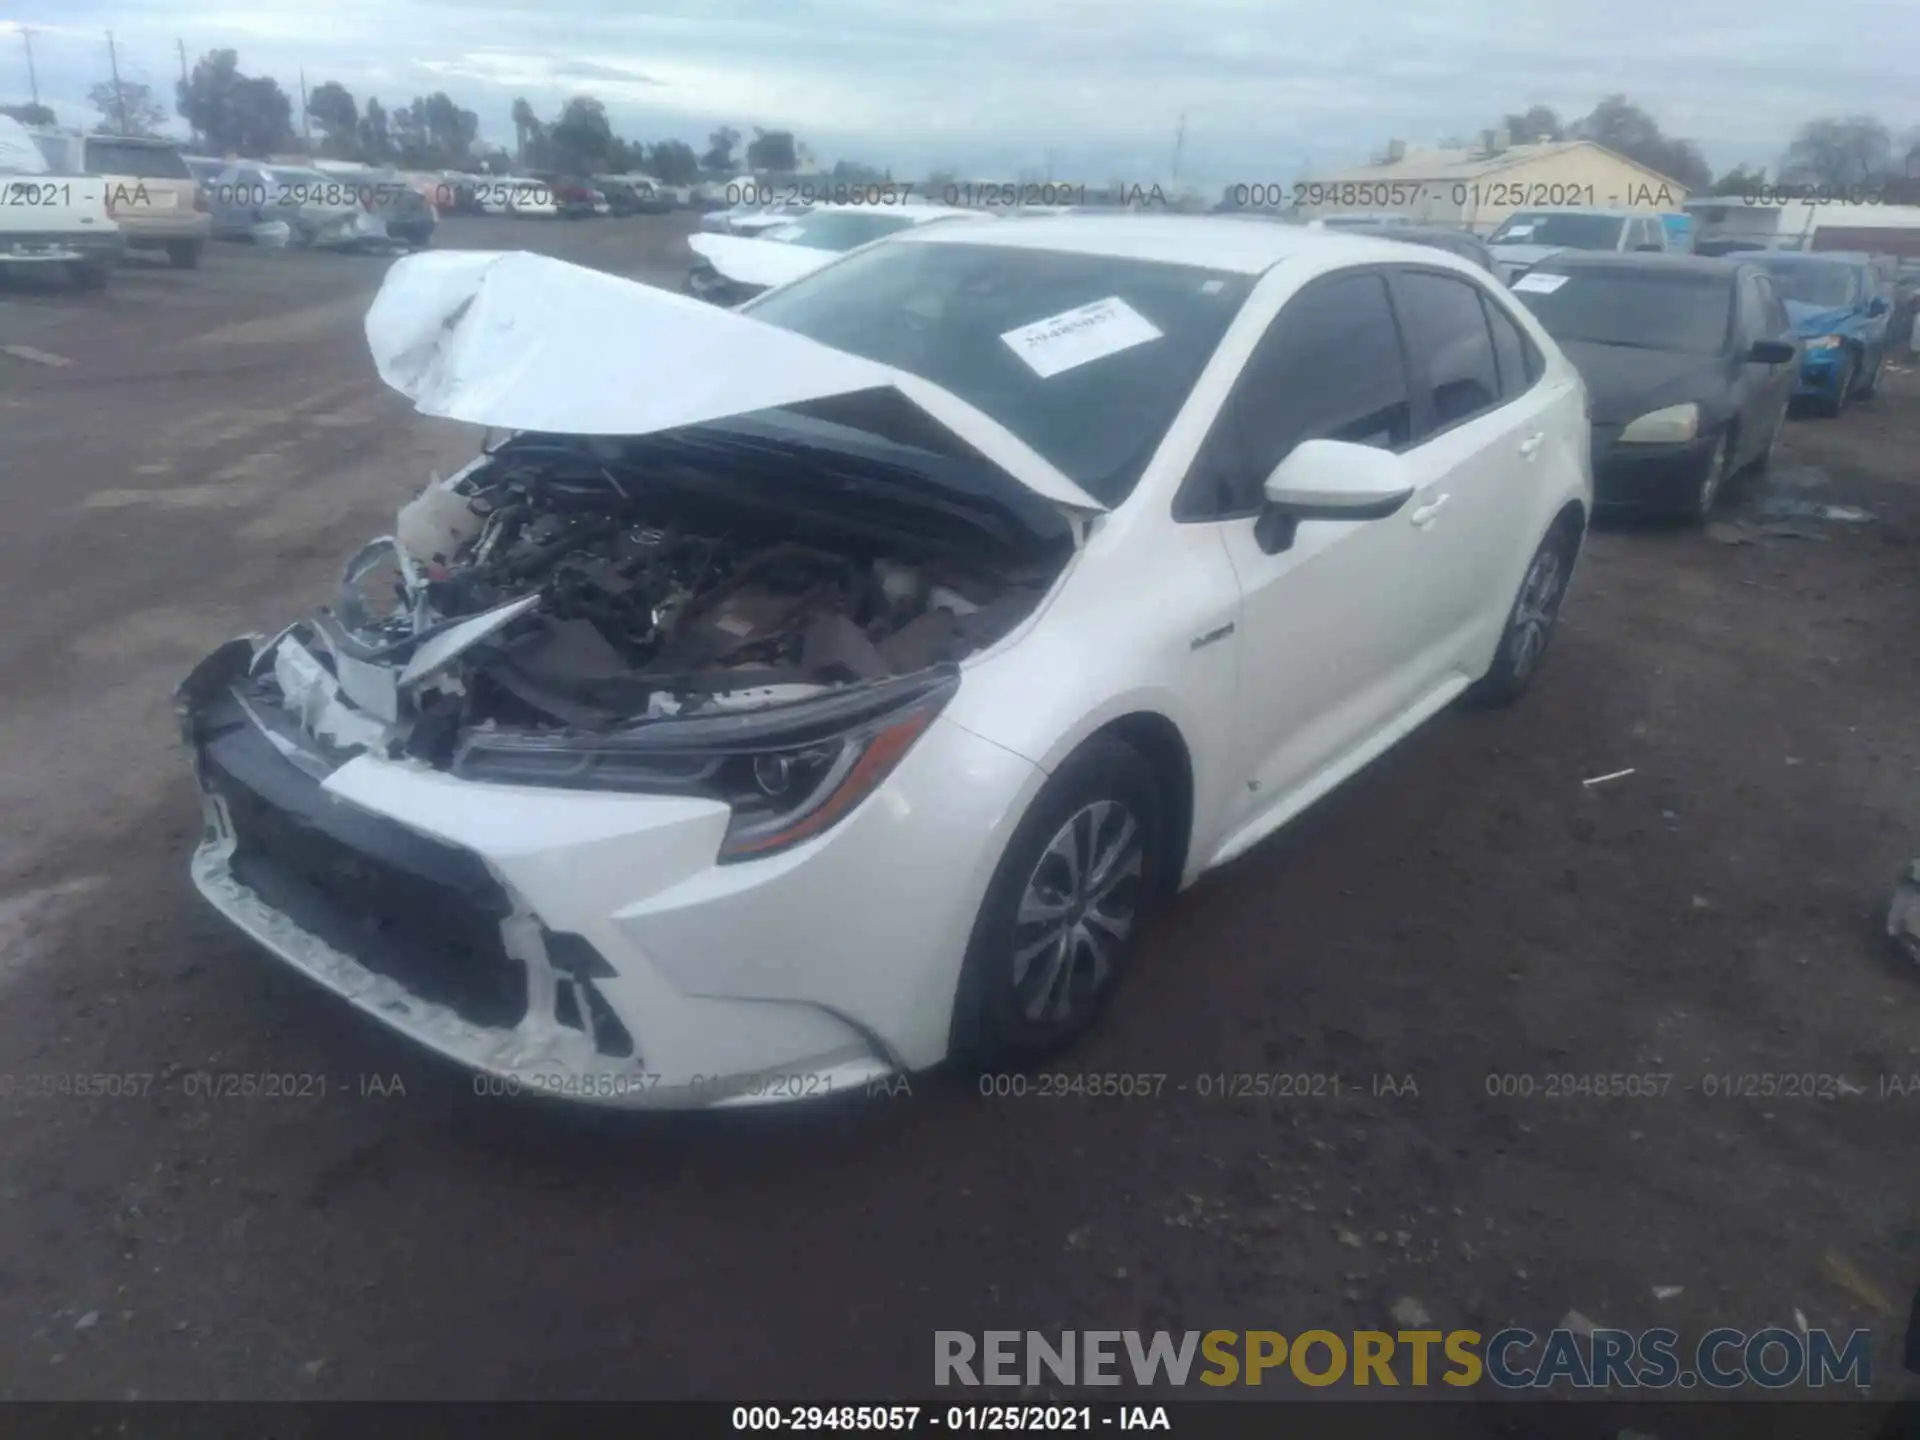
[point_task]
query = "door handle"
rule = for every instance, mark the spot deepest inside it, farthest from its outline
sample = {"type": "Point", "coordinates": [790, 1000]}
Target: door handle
{"type": "Point", "coordinates": [1425, 515]}
{"type": "Point", "coordinates": [1531, 445]}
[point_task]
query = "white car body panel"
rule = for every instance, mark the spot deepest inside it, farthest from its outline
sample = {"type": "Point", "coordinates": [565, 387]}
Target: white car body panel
{"type": "Point", "coordinates": [837, 961]}
{"type": "Point", "coordinates": [758, 262]}
{"type": "Point", "coordinates": [40, 210]}
{"type": "Point", "coordinates": [510, 339]}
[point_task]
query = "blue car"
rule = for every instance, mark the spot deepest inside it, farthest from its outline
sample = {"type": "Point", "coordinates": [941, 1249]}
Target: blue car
{"type": "Point", "coordinates": [1840, 318]}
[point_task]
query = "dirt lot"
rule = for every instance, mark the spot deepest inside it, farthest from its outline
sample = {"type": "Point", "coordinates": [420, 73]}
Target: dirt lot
{"type": "Point", "coordinates": [1466, 910]}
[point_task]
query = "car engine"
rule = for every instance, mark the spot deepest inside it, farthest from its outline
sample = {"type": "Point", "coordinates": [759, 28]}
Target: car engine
{"type": "Point", "coordinates": [655, 599]}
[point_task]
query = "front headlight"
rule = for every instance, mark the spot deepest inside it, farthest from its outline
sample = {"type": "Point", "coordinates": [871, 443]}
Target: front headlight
{"type": "Point", "coordinates": [1822, 342]}
{"type": "Point", "coordinates": [1672, 426]}
{"type": "Point", "coordinates": [787, 774]}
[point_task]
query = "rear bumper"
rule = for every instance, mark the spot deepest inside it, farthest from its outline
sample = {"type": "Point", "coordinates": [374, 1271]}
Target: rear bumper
{"type": "Point", "coordinates": [63, 247]}
{"type": "Point", "coordinates": [1819, 375]}
{"type": "Point", "coordinates": [150, 231]}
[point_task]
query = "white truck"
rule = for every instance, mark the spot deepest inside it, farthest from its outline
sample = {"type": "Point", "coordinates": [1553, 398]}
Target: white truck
{"type": "Point", "coordinates": [48, 218]}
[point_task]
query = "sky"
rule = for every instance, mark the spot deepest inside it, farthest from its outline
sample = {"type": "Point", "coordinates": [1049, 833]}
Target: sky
{"type": "Point", "coordinates": [1093, 90]}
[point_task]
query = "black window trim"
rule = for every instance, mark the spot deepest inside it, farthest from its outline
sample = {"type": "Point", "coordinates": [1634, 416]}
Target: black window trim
{"type": "Point", "coordinates": [1183, 509]}
{"type": "Point", "coordinates": [1418, 374]}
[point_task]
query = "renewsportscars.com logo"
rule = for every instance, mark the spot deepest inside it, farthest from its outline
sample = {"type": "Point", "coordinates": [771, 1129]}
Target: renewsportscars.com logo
{"type": "Point", "coordinates": [1510, 1359]}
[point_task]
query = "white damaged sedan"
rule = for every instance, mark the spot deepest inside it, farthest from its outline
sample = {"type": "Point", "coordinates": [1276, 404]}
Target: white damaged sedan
{"type": "Point", "coordinates": [807, 694]}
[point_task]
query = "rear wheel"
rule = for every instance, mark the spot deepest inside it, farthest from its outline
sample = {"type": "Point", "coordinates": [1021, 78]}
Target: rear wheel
{"type": "Point", "coordinates": [184, 254]}
{"type": "Point", "coordinates": [1530, 623]}
{"type": "Point", "coordinates": [1063, 908]}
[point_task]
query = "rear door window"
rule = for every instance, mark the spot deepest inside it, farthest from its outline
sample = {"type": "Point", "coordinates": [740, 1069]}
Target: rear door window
{"type": "Point", "coordinates": [1447, 339]}
{"type": "Point", "coordinates": [1518, 361]}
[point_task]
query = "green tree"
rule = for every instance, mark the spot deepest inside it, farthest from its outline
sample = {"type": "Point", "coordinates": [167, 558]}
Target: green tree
{"type": "Point", "coordinates": [331, 106]}
{"type": "Point", "coordinates": [772, 150]}
{"type": "Point", "coordinates": [1740, 181]}
{"type": "Point", "coordinates": [433, 133]}
{"type": "Point", "coordinates": [376, 135]}
{"type": "Point", "coordinates": [1626, 129]}
{"type": "Point", "coordinates": [720, 145]}
{"type": "Point", "coordinates": [525, 127]}
{"type": "Point", "coordinates": [1839, 151]}
{"type": "Point", "coordinates": [1532, 126]}
{"type": "Point", "coordinates": [672, 162]}
{"type": "Point", "coordinates": [581, 141]}
{"type": "Point", "coordinates": [32, 113]}
{"type": "Point", "coordinates": [127, 108]}
{"type": "Point", "coordinates": [245, 115]}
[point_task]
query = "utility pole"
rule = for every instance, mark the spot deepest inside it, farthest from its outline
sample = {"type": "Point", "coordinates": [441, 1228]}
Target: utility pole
{"type": "Point", "coordinates": [33, 78]}
{"type": "Point", "coordinates": [1179, 143]}
{"type": "Point", "coordinates": [306, 127]}
{"type": "Point", "coordinates": [119, 96]}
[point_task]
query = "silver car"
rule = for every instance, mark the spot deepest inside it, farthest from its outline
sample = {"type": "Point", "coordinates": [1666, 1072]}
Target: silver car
{"type": "Point", "coordinates": [319, 210]}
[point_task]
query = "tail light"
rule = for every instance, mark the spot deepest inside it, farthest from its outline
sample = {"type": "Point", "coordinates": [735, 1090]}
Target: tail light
{"type": "Point", "coordinates": [200, 201]}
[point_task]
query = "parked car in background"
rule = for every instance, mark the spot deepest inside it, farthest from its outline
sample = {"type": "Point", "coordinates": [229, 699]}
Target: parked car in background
{"type": "Point", "coordinates": [53, 218]}
{"type": "Point", "coordinates": [154, 197]}
{"type": "Point", "coordinates": [839, 735]}
{"type": "Point", "coordinates": [531, 200]}
{"type": "Point", "coordinates": [1464, 243]}
{"type": "Point", "coordinates": [576, 199]}
{"type": "Point", "coordinates": [633, 195]}
{"type": "Point", "coordinates": [1841, 315]}
{"type": "Point", "coordinates": [1689, 364]}
{"type": "Point", "coordinates": [409, 217]}
{"type": "Point", "coordinates": [1527, 237]}
{"type": "Point", "coordinates": [731, 268]}
{"type": "Point", "coordinates": [321, 211]}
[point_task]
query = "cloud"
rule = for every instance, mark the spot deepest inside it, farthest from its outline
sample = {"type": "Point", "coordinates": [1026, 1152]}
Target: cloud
{"type": "Point", "coordinates": [1093, 89]}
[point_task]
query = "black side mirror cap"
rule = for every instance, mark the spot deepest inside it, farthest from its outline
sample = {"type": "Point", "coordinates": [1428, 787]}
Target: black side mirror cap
{"type": "Point", "coordinates": [1772, 352]}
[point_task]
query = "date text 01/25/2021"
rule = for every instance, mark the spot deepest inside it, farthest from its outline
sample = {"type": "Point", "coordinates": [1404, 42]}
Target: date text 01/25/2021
{"type": "Point", "coordinates": [926, 1420]}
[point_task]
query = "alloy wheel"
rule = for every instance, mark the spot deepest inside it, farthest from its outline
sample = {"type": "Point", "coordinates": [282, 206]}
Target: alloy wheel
{"type": "Point", "coordinates": [1534, 611]}
{"type": "Point", "coordinates": [1078, 908]}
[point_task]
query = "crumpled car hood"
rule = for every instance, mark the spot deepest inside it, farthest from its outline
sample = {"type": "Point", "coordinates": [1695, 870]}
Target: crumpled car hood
{"type": "Point", "coordinates": [1820, 319]}
{"type": "Point", "coordinates": [524, 342]}
{"type": "Point", "coordinates": [748, 261]}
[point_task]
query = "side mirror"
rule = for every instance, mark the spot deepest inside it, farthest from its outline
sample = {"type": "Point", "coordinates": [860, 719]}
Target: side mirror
{"type": "Point", "coordinates": [1330, 480]}
{"type": "Point", "coordinates": [1772, 352]}
{"type": "Point", "coordinates": [1878, 306]}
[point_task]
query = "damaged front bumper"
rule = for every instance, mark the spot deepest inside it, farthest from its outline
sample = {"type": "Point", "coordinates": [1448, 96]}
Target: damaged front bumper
{"type": "Point", "coordinates": [585, 944]}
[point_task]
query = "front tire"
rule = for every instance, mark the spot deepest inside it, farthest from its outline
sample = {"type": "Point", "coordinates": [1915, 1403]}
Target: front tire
{"type": "Point", "coordinates": [1065, 904]}
{"type": "Point", "coordinates": [1523, 644]}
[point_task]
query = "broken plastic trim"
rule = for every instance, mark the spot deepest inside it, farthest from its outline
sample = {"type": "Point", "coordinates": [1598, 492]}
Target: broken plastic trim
{"type": "Point", "coordinates": [787, 773]}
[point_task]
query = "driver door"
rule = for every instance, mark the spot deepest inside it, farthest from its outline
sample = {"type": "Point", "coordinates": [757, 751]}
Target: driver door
{"type": "Point", "coordinates": [1335, 628]}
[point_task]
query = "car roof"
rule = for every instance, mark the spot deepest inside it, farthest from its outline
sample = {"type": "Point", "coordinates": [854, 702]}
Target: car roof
{"type": "Point", "coordinates": [1568, 261]}
{"type": "Point", "coordinates": [1208, 242]}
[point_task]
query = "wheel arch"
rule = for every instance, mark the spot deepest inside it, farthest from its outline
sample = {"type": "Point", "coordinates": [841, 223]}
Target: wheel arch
{"type": "Point", "coordinates": [1161, 744]}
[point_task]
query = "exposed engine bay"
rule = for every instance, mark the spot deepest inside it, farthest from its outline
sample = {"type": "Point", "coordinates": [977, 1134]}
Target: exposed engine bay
{"type": "Point", "coordinates": [558, 581]}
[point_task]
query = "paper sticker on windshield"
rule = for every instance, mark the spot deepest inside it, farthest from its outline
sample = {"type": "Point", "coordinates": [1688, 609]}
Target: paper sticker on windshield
{"type": "Point", "coordinates": [1534, 283]}
{"type": "Point", "coordinates": [1074, 337]}
{"type": "Point", "coordinates": [1516, 232]}
{"type": "Point", "coordinates": [783, 232]}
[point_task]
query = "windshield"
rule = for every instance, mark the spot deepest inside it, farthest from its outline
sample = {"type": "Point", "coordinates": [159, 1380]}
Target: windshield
{"type": "Point", "coordinates": [1093, 392]}
{"type": "Point", "coordinates": [839, 229]}
{"type": "Point", "coordinates": [1571, 232]}
{"type": "Point", "coordinates": [1684, 312]}
{"type": "Point", "coordinates": [1810, 282]}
